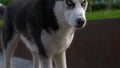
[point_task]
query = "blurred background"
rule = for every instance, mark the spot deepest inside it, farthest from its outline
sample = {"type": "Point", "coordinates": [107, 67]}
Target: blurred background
{"type": "Point", "coordinates": [103, 4]}
{"type": "Point", "coordinates": [103, 9]}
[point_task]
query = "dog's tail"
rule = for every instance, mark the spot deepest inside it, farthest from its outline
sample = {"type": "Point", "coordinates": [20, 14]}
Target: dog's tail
{"type": "Point", "coordinates": [2, 9]}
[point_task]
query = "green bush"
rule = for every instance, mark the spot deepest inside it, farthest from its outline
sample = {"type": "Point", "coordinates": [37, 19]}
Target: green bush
{"type": "Point", "coordinates": [116, 5]}
{"type": "Point", "coordinates": [100, 6]}
{"type": "Point", "coordinates": [103, 6]}
{"type": "Point", "coordinates": [5, 1]}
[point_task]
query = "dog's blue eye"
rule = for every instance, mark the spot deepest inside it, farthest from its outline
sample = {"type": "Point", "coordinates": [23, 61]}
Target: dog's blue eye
{"type": "Point", "coordinates": [70, 4]}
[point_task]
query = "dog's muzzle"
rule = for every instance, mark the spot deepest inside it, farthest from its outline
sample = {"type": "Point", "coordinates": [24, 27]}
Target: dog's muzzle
{"type": "Point", "coordinates": [80, 23]}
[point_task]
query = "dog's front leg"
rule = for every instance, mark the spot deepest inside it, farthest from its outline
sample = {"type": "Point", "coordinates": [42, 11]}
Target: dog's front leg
{"type": "Point", "coordinates": [60, 60]}
{"type": "Point", "coordinates": [36, 60]}
{"type": "Point", "coordinates": [47, 62]}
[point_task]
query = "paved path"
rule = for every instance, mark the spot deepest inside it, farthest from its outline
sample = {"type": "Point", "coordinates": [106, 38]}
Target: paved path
{"type": "Point", "coordinates": [18, 63]}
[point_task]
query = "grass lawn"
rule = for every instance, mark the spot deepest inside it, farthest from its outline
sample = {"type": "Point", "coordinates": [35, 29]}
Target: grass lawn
{"type": "Point", "coordinates": [0, 22]}
{"type": "Point", "coordinates": [103, 14]}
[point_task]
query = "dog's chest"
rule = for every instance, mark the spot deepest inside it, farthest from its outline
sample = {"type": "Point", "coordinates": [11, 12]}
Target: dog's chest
{"type": "Point", "coordinates": [57, 42]}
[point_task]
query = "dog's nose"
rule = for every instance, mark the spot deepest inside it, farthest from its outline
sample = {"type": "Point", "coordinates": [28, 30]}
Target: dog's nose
{"type": "Point", "coordinates": [80, 22]}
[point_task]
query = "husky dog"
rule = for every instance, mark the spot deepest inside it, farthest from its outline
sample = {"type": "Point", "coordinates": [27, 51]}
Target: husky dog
{"type": "Point", "coordinates": [46, 27]}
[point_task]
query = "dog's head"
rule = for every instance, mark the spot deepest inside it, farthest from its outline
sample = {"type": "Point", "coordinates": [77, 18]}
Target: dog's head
{"type": "Point", "coordinates": [72, 12]}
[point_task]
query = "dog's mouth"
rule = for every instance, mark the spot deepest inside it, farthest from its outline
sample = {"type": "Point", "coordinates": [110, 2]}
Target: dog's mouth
{"type": "Point", "coordinates": [76, 28]}
{"type": "Point", "coordinates": [79, 26]}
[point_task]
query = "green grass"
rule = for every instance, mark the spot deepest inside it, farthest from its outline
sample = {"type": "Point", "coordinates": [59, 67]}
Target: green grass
{"type": "Point", "coordinates": [0, 22]}
{"type": "Point", "coordinates": [103, 14]}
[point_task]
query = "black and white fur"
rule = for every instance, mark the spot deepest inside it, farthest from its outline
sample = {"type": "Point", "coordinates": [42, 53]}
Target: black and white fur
{"type": "Point", "coordinates": [45, 26]}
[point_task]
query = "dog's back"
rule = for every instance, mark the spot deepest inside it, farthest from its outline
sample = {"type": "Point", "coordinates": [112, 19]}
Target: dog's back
{"type": "Point", "coordinates": [7, 27]}
{"type": "Point", "coordinates": [12, 8]}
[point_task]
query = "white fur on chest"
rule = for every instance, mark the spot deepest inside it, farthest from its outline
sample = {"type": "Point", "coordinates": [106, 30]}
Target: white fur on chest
{"type": "Point", "coordinates": [60, 40]}
{"type": "Point", "coordinates": [57, 42]}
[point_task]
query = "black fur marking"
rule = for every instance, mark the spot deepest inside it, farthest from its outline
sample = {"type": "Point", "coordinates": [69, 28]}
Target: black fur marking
{"type": "Point", "coordinates": [7, 34]}
{"type": "Point", "coordinates": [7, 30]}
{"type": "Point", "coordinates": [46, 14]}
{"type": "Point", "coordinates": [38, 15]}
